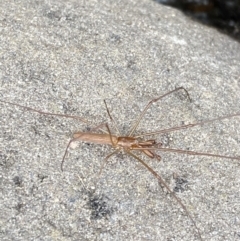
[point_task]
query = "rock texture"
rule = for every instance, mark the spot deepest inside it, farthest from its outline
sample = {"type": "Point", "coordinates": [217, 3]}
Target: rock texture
{"type": "Point", "coordinates": [67, 57]}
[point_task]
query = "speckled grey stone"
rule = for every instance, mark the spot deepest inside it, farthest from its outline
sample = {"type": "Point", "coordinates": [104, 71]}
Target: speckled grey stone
{"type": "Point", "coordinates": [67, 57]}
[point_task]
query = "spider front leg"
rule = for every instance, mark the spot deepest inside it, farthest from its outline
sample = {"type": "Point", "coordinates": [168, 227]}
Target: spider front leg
{"type": "Point", "coordinates": [150, 144]}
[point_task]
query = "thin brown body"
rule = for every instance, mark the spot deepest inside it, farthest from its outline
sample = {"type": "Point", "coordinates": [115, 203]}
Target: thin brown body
{"type": "Point", "coordinates": [95, 138]}
{"type": "Point", "coordinates": [123, 142]}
